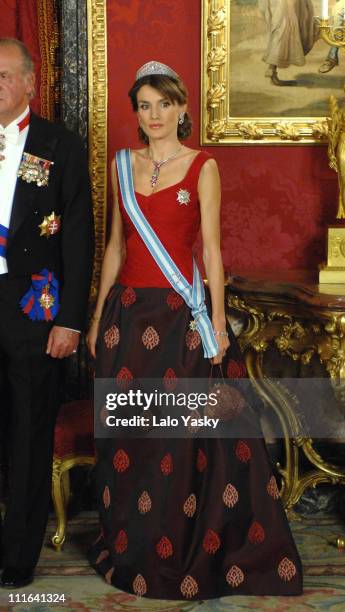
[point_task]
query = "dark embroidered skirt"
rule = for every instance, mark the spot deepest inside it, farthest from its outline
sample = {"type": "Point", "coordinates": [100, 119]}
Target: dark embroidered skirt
{"type": "Point", "coordinates": [195, 518]}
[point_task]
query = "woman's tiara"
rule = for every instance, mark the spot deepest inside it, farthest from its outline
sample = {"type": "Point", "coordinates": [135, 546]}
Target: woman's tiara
{"type": "Point", "coordinates": [153, 67]}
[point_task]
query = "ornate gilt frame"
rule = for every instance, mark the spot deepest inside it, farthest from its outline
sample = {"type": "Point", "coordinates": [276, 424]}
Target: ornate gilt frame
{"type": "Point", "coordinates": [217, 125]}
{"type": "Point", "coordinates": [97, 125]}
{"type": "Point", "coordinates": [49, 42]}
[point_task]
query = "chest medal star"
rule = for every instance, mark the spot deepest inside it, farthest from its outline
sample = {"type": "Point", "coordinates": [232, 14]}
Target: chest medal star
{"type": "Point", "coordinates": [183, 196]}
{"type": "Point", "coordinates": [50, 225]}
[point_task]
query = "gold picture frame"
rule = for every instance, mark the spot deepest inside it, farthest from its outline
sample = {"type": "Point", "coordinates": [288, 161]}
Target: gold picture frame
{"type": "Point", "coordinates": [218, 126]}
{"type": "Point", "coordinates": [97, 126]}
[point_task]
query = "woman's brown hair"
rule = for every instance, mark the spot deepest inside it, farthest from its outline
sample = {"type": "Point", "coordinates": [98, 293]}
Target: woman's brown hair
{"type": "Point", "coordinates": [172, 89]}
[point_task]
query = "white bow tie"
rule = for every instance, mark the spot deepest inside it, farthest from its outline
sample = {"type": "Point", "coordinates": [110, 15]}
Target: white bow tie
{"type": "Point", "coordinates": [10, 133]}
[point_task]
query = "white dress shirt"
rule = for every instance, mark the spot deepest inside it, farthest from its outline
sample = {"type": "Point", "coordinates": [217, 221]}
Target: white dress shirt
{"type": "Point", "coordinates": [8, 176]}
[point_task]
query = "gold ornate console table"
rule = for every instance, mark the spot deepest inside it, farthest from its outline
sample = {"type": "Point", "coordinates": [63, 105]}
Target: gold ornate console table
{"type": "Point", "coordinates": [289, 311]}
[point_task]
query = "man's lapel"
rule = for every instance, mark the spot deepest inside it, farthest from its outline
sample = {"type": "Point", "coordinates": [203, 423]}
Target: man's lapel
{"type": "Point", "coordinates": [39, 144]}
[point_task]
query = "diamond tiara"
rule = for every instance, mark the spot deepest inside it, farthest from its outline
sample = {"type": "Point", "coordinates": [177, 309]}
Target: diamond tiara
{"type": "Point", "coordinates": [153, 67]}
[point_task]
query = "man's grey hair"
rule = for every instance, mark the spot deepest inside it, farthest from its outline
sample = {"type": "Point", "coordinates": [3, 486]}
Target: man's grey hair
{"type": "Point", "coordinates": [28, 63]}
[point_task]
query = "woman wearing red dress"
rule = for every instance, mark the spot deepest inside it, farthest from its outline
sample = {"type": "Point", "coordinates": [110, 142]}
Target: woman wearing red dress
{"type": "Point", "coordinates": [195, 518]}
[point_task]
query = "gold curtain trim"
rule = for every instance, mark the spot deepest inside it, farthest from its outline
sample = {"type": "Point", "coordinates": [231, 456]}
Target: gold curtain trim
{"type": "Point", "coordinates": [97, 108]}
{"type": "Point", "coordinates": [48, 33]}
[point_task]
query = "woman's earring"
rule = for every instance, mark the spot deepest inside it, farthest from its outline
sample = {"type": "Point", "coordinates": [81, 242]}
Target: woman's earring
{"type": "Point", "coordinates": [181, 118]}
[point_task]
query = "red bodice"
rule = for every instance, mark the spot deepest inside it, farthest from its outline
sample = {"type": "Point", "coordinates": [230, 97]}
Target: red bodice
{"type": "Point", "coordinates": [175, 222]}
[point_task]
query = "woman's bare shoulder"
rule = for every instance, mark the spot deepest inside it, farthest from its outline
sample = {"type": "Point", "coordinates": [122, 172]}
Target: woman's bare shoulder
{"type": "Point", "coordinates": [139, 152]}
{"type": "Point", "coordinates": [187, 151]}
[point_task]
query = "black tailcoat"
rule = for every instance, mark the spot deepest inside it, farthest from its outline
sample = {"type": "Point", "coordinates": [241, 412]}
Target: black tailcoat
{"type": "Point", "coordinates": [69, 252]}
{"type": "Point", "coordinates": [30, 375]}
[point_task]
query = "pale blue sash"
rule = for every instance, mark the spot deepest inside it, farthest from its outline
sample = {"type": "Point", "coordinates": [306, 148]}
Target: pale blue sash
{"type": "Point", "coordinates": [194, 296]}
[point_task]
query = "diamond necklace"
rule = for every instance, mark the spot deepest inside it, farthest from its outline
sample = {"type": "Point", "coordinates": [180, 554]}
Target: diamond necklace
{"type": "Point", "coordinates": [157, 166]}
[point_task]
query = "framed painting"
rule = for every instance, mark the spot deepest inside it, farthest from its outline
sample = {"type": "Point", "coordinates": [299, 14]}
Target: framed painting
{"type": "Point", "coordinates": [266, 75]}
{"type": "Point", "coordinates": [97, 126]}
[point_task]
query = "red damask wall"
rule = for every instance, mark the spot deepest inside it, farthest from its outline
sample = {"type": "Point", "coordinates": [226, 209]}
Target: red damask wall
{"type": "Point", "coordinates": [18, 19]}
{"type": "Point", "coordinates": [276, 200]}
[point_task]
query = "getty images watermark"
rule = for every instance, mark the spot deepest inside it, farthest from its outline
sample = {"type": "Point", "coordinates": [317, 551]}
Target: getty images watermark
{"type": "Point", "coordinates": [164, 400]}
{"type": "Point", "coordinates": [179, 408]}
{"type": "Point", "coordinates": [175, 408]}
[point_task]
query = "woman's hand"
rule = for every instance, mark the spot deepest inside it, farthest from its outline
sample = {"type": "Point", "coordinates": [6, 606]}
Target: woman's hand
{"type": "Point", "coordinates": [223, 344]}
{"type": "Point", "coordinates": [91, 337]}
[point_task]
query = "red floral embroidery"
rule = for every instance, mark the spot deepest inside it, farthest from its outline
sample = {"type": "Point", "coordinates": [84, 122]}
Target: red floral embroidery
{"type": "Point", "coordinates": [164, 548]}
{"type": "Point", "coordinates": [150, 338]}
{"type": "Point", "coordinates": [211, 542]}
{"type": "Point", "coordinates": [167, 464]}
{"type": "Point", "coordinates": [192, 339]}
{"type": "Point", "coordinates": [170, 379]}
{"type": "Point", "coordinates": [123, 378]}
{"type": "Point", "coordinates": [236, 369]}
{"type": "Point", "coordinates": [139, 585]}
{"type": "Point", "coordinates": [174, 300]}
{"type": "Point", "coordinates": [235, 576]}
{"type": "Point", "coordinates": [112, 337]}
{"type": "Point", "coordinates": [144, 503]}
{"type": "Point", "coordinates": [121, 460]}
{"type": "Point", "coordinates": [128, 297]}
{"type": "Point", "coordinates": [230, 495]}
{"type": "Point", "coordinates": [243, 452]}
{"type": "Point", "coordinates": [272, 488]}
{"type": "Point", "coordinates": [121, 542]}
{"type": "Point", "coordinates": [201, 460]}
{"type": "Point", "coordinates": [189, 506]}
{"type": "Point", "coordinates": [108, 576]}
{"type": "Point", "coordinates": [256, 533]}
{"type": "Point", "coordinates": [286, 569]}
{"type": "Point", "coordinates": [106, 497]}
{"type": "Point", "coordinates": [189, 587]}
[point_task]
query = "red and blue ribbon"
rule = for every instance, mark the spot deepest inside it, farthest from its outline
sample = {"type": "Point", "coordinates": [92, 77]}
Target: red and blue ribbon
{"type": "Point", "coordinates": [42, 284]}
{"type": "Point", "coordinates": [3, 240]}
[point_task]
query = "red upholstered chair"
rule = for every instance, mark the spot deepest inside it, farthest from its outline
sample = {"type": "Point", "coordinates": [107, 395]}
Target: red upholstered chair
{"type": "Point", "coordinates": [73, 445]}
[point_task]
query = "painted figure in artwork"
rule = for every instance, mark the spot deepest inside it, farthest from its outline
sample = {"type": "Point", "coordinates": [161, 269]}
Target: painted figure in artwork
{"type": "Point", "coordinates": [291, 35]}
{"type": "Point", "coordinates": [332, 59]}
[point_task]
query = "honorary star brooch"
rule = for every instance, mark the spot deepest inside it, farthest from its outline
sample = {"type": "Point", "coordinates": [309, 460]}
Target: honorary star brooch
{"type": "Point", "coordinates": [183, 196]}
{"type": "Point", "coordinates": [50, 225]}
{"type": "Point", "coordinates": [34, 169]}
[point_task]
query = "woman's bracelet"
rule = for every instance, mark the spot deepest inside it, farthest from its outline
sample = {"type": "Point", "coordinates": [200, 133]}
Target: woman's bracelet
{"type": "Point", "coordinates": [220, 333]}
{"type": "Point", "coordinates": [93, 318]}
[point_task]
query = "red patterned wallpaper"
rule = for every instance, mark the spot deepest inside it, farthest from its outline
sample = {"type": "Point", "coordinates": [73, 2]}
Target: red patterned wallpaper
{"type": "Point", "coordinates": [18, 19]}
{"type": "Point", "coordinates": [8, 18]}
{"type": "Point", "coordinates": [276, 200]}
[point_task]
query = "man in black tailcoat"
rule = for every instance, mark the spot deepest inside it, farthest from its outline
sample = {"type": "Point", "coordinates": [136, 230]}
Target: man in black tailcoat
{"type": "Point", "coordinates": [46, 250]}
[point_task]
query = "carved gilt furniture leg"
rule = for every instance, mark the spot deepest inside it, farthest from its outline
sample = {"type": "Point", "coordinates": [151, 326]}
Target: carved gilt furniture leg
{"type": "Point", "coordinates": [300, 334]}
{"type": "Point", "coordinates": [59, 502]}
{"type": "Point", "coordinates": [274, 397]}
{"type": "Point", "coordinates": [61, 492]}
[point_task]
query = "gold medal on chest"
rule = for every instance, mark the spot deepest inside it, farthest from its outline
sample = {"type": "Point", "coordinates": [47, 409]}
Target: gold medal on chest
{"type": "Point", "coordinates": [46, 300]}
{"type": "Point", "coordinates": [50, 225]}
{"type": "Point", "coordinates": [34, 169]}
